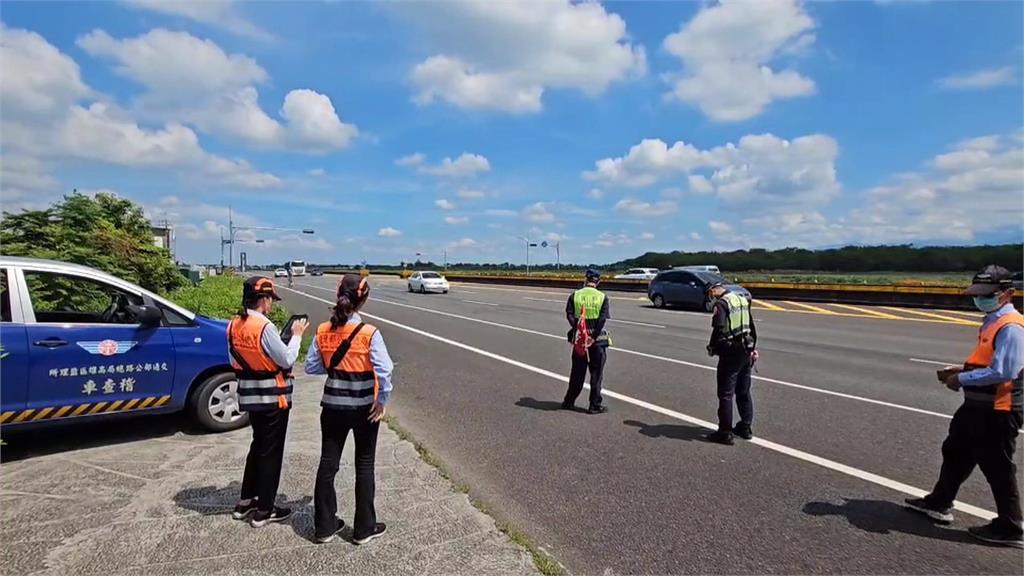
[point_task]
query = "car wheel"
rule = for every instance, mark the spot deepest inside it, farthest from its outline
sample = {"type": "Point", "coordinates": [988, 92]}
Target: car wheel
{"type": "Point", "coordinates": [215, 406]}
{"type": "Point", "coordinates": [708, 305]}
{"type": "Point", "coordinates": [445, 292]}
{"type": "Point", "coordinates": [410, 287]}
{"type": "Point", "coordinates": [658, 301]}
{"type": "Point", "coordinates": [423, 289]}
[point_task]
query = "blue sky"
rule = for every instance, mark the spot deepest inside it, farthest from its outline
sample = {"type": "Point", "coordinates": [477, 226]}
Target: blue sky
{"type": "Point", "coordinates": [462, 126]}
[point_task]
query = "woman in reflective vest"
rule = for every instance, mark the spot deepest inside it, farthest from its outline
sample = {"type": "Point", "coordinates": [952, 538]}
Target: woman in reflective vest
{"type": "Point", "coordinates": [263, 364]}
{"type": "Point", "coordinates": [353, 356]}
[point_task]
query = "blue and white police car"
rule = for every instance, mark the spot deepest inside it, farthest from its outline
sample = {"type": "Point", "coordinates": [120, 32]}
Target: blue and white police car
{"type": "Point", "coordinates": [81, 344]}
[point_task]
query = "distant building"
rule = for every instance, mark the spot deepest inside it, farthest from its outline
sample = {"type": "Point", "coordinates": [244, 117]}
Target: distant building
{"type": "Point", "coordinates": [163, 237]}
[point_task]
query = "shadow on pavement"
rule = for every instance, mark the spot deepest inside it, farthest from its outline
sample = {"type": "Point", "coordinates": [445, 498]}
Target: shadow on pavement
{"type": "Point", "coordinates": [544, 405]}
{"type": "Point", "coordinates": [884, 517]}
{"type": "Point", "coordinates": [214, 501]}
{"type": "Point", "coordinates": [675, 431]}
{"type": "Point", "coordinates": [20, 445]}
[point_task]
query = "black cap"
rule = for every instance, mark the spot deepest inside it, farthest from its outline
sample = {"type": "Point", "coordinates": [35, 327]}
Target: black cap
{"type": "Point", "coordinates": [989, 280]}
{"type": "Point", "coordinates": [259, 286]}
{"type": "Point", "coordinates": [593, 275]}
{"type": "Point", "coordinates": [713, 285]}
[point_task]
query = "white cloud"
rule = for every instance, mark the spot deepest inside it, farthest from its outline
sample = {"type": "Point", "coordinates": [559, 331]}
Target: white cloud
{"type": "Point", "coordinates": [170, 201]}
{"type": "Point", "coordinates": [388, 232]}
{"type": "Point", "coordinates": [38, 79]}
{"type": "Point", "coordinates": [641, 209]}
{"type": "Point", "coordinates": [103, 133]}
{"type": "Point", "coordinates": [763, 166]}
{"type": "Point", "coordinates": [444, 204]}
{"type": "Point", "coordinates": [411, 160]}
{"type": "Point", "coordinates": [699, 184]}
{"type": "Point", "coordinates": [595, 194]}
{"type": "Point", "coordinates": [647, 236]}
{"type": "Point", "coordinates": [470, 194]}
{"type": "Point", "coordinates": [696, 236]}
{"type": "Point", "coordinates": [217, 13]}
{"type": "Point", "coordinates": [719, 228]}
{"type": "Point", "coordinates": [500, 213]}
{"type": "Point", "coordinates": [672, 193]}
{"type": "Point", "coordinates": [980, 79]}
{"type": "Point", "coordinates": [504, 55]}
{"type": "Point", "coordinates": [608, 239]}
{"type": "Point", "coordinates": [317, 172]}
{"type": "Point", "coordinates": [465, 165]}
{"type": "Point", "coordinates": [193, 80]}
{"type": "Point", "coordinates": [726, 50]}
{"type": "Point", "coordinates": [538, 213]}
{"type": "Point", "coordinates": [463, 243]}
{"type": "Point", "coordinates": [455, 220]}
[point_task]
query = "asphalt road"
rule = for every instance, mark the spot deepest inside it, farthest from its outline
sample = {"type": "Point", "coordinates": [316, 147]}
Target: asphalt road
{"type": "Point", "coordinates": [849, 421]}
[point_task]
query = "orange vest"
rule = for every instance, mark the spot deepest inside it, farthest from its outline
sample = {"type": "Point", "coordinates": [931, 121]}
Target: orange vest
{"type": "Point", "coordinates": [262, 383]}
{"type": "Point", "coordinates": [1004, 396]}
{"type": "Point", "coordinates": [351, 382]}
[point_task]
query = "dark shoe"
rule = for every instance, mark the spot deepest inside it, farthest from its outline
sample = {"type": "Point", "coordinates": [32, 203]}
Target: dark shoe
{"type": "Point", "coordinates": [378, 530]}
{"type": "Point", "coordinates": [998, 533]}
{"type": "Point", "coordinates": [340, 525]}
{"type": "Point", "coordinates": [743, 432]}
{"type": "Point", "coordinates": [720, 437]}
{"type": "Point", "coordinates": [597, 409]}
{"type": "Point", "coordinates": [566, 405]}
{"type": "Point", "coordinates": [242, 512]}
{"type": "Point", "coordinates": [942, 515]}
{"type": "Point", "coordinates": [261, 518]}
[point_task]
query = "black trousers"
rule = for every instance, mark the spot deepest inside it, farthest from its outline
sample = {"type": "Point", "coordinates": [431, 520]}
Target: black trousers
{"type": "Point", "coordinates": [334, 428]}
{"type": "Point", "coordinates": [734, 381]}
{"type": "Point", "coordinates": [580, 365]}
{"type": "Point", "coordinates": [986, 438]}
{"type": "Point", "coordinates": [263, 464]}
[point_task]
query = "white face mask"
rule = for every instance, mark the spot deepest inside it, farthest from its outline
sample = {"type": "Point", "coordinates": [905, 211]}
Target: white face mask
{"type": "Point", "coordinates": [987, 303]}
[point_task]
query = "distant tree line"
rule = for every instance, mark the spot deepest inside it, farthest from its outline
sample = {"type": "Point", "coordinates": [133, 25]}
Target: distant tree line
{"type": "Point", "coordinates": [903, 258]}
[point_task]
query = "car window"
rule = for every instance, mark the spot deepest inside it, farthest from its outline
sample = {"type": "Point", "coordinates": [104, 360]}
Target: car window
{"type": "Point", "coordinates": [5, 297]}
{"type": "Point", "coordinates": [673, 277]}
{"type": "Point", "coordinates": [710, 277]}
{"type": "Point", "coordinates": [172, 318]}
{"type": "Point", "coordinates": [686, 278]}
{"type": "Point", "coordinates": [431, 275]}
{"type": "Point", "coordinates": [66, 298]}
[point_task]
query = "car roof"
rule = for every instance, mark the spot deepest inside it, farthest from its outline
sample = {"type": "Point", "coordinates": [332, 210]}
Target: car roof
{"type": "Point", "coordinates": [59, 267]}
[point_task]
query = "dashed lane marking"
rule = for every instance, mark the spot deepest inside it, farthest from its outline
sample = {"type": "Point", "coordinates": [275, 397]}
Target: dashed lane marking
{"type": "Point", "coordinates": [774, 446]}
{"type": "Point", "coordinates": [767, 305]}
{"type": "Point", "coordinates": [480, 303]}
{"type": "Point", "coordinates": [935, 362]}
{"type": "Point", "coordinates": [933, 315]}
{"type": "Point", "coordinates": [867, 311]}
{"type": "Point", "coordinates": [636, 323]}
{"type": "Point", "coordinates": [810, 307]}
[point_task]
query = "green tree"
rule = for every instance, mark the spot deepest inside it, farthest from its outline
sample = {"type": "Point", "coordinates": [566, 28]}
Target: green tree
{"type": "Point", "coordinates": [105, 232]}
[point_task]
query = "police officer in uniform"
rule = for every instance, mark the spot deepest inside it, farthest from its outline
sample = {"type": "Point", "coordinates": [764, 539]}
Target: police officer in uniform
{"type": "Point", "coordinates": [590, 304]}
{"type": "Point", "coordinates": [984, 429]}
{"type": "Point", "coordinates": [734, 341]}
{"type": "Point", "coordinates": [263, 364]}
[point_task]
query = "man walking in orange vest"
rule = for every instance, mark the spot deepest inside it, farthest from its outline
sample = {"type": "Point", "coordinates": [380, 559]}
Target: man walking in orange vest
{"type": "Point", "coordinates": [984, 429]}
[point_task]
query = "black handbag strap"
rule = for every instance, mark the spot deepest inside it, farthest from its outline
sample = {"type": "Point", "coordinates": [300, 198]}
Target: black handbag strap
{"type": "Point", "coordinates": [343, 349]}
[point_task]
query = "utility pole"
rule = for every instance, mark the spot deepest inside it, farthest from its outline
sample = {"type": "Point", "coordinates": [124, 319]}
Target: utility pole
{"type": "Point", "coordinates": [446, 259]}
{"type": "Point", "coordinates": [231, 237]}
{"type": "Point", "coordinates": [558, 255]}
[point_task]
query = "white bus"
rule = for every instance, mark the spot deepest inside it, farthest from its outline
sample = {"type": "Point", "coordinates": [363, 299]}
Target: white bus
{"type": "Point", "coordinates": [298, 267]}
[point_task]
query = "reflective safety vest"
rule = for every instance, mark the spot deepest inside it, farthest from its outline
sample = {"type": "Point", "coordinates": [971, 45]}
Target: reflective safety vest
{"type": "Point", "coordinates": [1003, 396]}
{"type": "Point", "coordinates": [737, 316]}
{"type": "Point", "coordinates": [262, 384]}
{"type": "Point", "coordinates": [588, 302]}
{"type": "Point", "coordinates": [351, 381]}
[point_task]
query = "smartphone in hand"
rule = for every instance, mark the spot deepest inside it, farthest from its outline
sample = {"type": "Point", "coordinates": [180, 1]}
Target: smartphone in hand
{"type": "Point", "coordinates": [286, 332]}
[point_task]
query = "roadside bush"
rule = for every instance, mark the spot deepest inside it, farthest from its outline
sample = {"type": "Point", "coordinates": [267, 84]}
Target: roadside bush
{"type": "Point", "coordinates": [220, 297]}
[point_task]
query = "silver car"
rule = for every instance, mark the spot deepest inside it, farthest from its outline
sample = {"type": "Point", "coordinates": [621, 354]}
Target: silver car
{"type": "Point", "coordinates": [688, 288]}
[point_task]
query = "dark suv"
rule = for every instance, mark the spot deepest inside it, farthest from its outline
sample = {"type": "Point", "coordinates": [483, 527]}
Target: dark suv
{"type": "Point", "coordinates": [687, 288]}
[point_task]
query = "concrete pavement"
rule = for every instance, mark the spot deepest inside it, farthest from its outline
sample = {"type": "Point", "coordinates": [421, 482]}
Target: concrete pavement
{"type": "Point", "coordinates": [848, 424]}
{"type": "Point", "coordinates": [141, 496]}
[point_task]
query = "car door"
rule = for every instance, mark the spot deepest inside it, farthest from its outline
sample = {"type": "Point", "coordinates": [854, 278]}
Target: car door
{"type": "Point", "coordinates": [87, 351]}
{"type": "Point", "coordinates": [415, 281]}
{"type": "Point", "coordinates": [13, 349]}
{"type": "Point", "coordinates": [691, 289]}
{"type": "Point", "coordinates": [669, 286]}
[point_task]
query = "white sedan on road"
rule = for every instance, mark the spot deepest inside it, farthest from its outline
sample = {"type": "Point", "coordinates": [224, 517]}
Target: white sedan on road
{"type": "Point", "coordinates": [638, 274]}
{"type": "Point", "coordinates": [280, 273]}
{"type": "Point", "coordinates": [424, 282]}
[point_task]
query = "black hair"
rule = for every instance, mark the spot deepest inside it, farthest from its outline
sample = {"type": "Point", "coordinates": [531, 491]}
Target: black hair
{"type": "Point", "coordinates": [352, 294]}
{"type": "Point", "coordinates": [250, 302]}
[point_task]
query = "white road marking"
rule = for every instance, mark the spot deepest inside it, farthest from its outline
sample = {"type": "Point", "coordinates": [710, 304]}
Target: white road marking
{"type": "Point", "coordinates": [937, 363]}
{"type": "Point", "coordinates": [776, 447]}
{"type": "Point", "coordinates": [481, 303]}
{"type": "Point", "coordinates": [677, 361]}
{"type": "Point", "coordinates": [636, 323]}
{"type": "Point", "coordinates": [543, 300]}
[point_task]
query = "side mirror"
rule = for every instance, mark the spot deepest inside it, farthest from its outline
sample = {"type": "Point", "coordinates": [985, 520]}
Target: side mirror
{"type": "Point", "coordinates": [146, 315]}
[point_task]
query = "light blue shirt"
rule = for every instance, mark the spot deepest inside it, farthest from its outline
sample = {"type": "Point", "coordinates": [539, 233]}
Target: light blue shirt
{"type": "Point", "coordinates": [379, 357]}
{"type": "Point", "coordinates": [1008, 358]}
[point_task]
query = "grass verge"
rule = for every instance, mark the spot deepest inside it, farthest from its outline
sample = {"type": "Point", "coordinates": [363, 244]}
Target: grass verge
{"type": "Point", "coordinates": [541, 559]}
